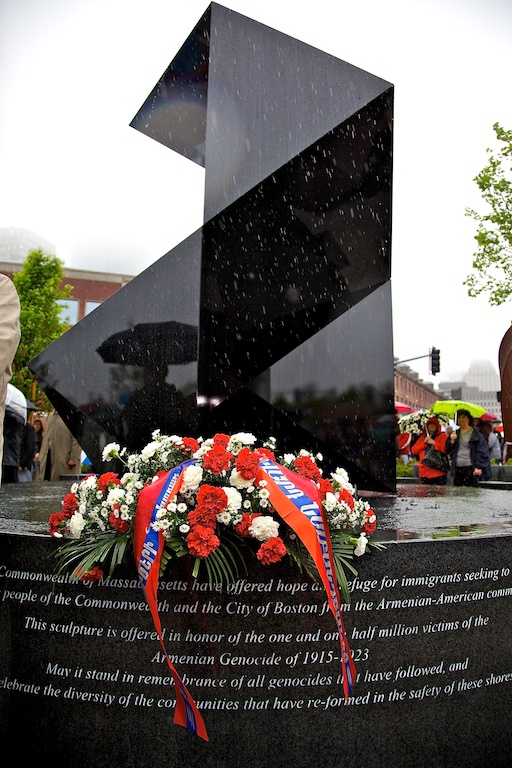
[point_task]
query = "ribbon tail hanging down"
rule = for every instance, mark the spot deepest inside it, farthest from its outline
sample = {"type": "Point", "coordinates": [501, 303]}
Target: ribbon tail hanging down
{"type": "Point", "coordinates": [297, 501]}
{"type": "Point", "coordinates": [148, 545]}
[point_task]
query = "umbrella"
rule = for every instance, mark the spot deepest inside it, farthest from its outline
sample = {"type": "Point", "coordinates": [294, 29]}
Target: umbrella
{"type": "Point", "coordinates": [450, 407]}
{"type": "Point", "coordinates": [17, 403]}
{"type": "Point", "coordinates": [402, 407]}
{"type": "Point", "coordinates": [414, 422]}
{"type": "Point", "coordinates": [488, 416]}
{"type": "Point", "coordinates": [171, 342]}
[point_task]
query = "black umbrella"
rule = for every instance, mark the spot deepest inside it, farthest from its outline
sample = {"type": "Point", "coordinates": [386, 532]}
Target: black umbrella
{"type": "Point", "coordinates": [171, 342]}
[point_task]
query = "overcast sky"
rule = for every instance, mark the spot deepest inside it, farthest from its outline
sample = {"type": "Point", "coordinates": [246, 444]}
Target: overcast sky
{"type": "Point", "coordinates": [73, 73]}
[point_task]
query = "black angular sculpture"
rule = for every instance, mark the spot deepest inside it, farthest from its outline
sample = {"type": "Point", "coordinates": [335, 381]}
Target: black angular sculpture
{"type": "Point", "coordinates": [286, 287]}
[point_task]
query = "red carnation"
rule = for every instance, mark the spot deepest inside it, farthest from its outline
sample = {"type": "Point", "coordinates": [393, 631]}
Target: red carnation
{"type": "Point", "coordinates": [120, 525]}
{"type": "Point", "coordinates": [55, 522]}
{"type": "Point", "coordinates": [271, 551]}
{"type": "Point", "coordinates": [95, 575]}
{"type": "Point", "coordinates": [190, 445]}
{"type": "Point", "coordinates": [369, 526]}
{"type": "Point", "coordinates": [217, 459]}
{"type": "Point", "coordinates": [325, 488]}
{"type": "Point", "coordinates": [267, 453]}
{"type": "Point", "coordinates": [69, 504]}
{"type": "Point", "coordinates": [247, 464]}
{"type": "Point", "coordinates": [347, 497]}
{"type": "Point", "coordinates": [307, 468]}
{"type": "Point", "coordinates": [213, 498]}
{"type": "Point", "coordinates": [201, 541]}
{"type": "Point", "coordinates": [109, 478]}
{"type": "Point", "coordinates": [242, 528]}
{"type": "Point", "coordinates": [202, 516]}
{"type": "Point", "coordinates": [220, 439]}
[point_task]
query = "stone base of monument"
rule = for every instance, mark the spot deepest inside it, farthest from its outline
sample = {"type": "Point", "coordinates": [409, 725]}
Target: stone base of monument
{"type": "Point", "coordinates": [84, 681]}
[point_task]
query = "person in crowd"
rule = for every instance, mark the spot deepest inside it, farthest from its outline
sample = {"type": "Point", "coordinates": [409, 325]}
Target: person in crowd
{"type": "Point", "coordinates": [499, 435]}
{"type": "Point", "coordinates": [27, 450]}
{"type": "Point", "coordinates": [12, 435]}
{"type": "Point", "coordinates": [404, 447]}
{"type": "Point", "coordinates": [39, 432]}
{"type": "Point", "coordinates": [60, 452]}
{"type": "Point", "coordinates": [493, 444]}
{"type": "Point", "coordinates": [431, 438]}
{"type": "Point", "coordinates": [9, 339]}
{"type": "Point", "coordinates": [156, 405]}
{"type": "Point", "coordinates": [469, 452]}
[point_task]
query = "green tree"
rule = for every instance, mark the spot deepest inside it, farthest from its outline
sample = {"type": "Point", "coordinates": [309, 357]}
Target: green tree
{"type": "Point", "coordinates": [38, 285]}
{"type": "Point", "coordinates": [492, 263]}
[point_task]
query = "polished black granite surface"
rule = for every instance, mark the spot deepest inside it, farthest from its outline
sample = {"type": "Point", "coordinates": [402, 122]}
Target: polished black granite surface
{"type": "Point", "coordinates": [275, 316]}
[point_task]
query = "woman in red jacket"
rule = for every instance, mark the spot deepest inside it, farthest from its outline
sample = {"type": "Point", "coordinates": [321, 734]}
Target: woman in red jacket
{"type": "Point", "coordinates": [430, 436]}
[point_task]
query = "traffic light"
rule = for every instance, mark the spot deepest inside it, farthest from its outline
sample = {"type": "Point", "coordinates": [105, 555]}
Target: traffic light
{"type": "Point", "coordinates": [435, 361]}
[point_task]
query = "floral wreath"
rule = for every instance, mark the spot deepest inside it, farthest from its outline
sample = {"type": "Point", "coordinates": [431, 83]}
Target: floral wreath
{"type": "Point", "coordinates": [220, 516]}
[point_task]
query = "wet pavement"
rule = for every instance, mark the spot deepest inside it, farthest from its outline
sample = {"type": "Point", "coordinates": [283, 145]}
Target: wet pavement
{"type": "Point", "coordinates": [432, 512]}
{"type": "Point", "coordinates": [415, 512]}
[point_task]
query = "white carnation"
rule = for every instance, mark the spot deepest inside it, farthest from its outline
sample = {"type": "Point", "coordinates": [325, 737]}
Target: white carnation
{"type": "Point", "coordinates": [341, 478]}
{"type": "Point", "coordinates": [149, 451]}
{"type": "Point", "coordinates": [237, 481]}
{"type": "Point", "coordinates": [264, 528]}
{"type": "Point", "coordinates": [192, 477]}
{"type": "Point", "coordinates": [128, 479]}
{"type": "Point", "coordinates": [361, 545]}
{"type": "Point", "coordinates": [76, 525]}
{"type": "Point", "coordinates": [110, 451]}
{"type": "Point", "coordinates": [329, 502]}
{"type": "Point", "coordinates": [234, 498]}
{"type": "Point", "coordinates": [240, 440]}
{"type": "Point", "coordinates": [246, 438]}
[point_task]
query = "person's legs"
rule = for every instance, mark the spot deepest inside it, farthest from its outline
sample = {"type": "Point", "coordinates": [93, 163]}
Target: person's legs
{"type": "Point", "coordinates": [464, 476]}
{"type": "Point", "coordinates": [441, 480]}
{"type": "Point", "coordinates": [9, 474]}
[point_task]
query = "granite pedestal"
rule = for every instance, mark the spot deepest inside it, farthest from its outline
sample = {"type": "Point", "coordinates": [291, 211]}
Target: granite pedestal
{"type": "Point", "coordinates": [83, 680]}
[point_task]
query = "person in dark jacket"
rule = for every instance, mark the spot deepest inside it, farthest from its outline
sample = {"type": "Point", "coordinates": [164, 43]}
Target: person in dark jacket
{"type": "Point", "coordinates": [469, 452]}
{"type": "Point", "coordinates": [27, 451]}
{"type": "Point", "coordinates": [12, 432]}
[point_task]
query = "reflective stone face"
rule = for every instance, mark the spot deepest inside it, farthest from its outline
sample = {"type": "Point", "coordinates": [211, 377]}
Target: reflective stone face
{"type": "Point", "coordinates": [275, 317]}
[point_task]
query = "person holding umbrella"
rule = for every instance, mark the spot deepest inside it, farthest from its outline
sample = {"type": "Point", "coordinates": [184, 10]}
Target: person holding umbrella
{"type": "Point", "coordinates": [432, 439]}
{"type": "Point", "coordinates": [469, 452]}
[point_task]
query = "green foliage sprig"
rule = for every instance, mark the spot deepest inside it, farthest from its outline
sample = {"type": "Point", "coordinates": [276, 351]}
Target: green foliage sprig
{"type": "Point", "coordinates": [492, 263]}
{"type": "Point", "coordinates": [39, 289]}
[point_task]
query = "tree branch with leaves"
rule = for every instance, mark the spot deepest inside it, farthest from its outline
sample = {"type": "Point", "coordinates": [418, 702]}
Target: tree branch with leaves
{"type": "Point", "coordinates": [492, 263]}
{"type": "Point", "coordinates": [38, 285]}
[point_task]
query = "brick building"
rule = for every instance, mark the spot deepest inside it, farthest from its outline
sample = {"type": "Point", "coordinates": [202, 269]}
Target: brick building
{"type": "Point", "coordinates": [89, 289]}
{"type": "Point", "coordinates": [412, 390]}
